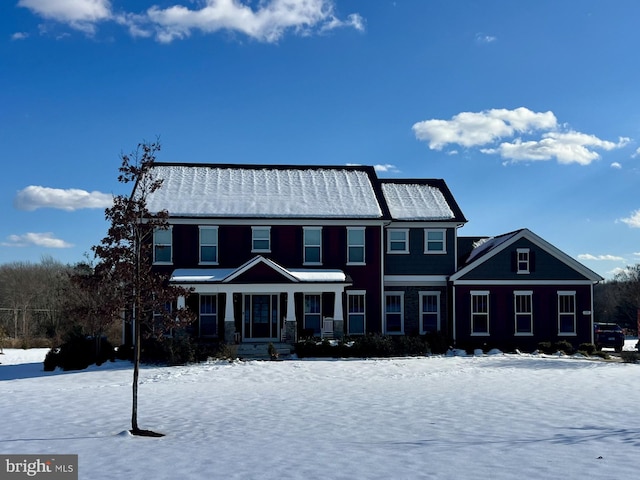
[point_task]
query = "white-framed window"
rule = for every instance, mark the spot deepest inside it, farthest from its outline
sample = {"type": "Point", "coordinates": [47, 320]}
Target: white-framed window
{"type": "Point", "coordinates": [313, 313]}
{"type": "Point", "coordinates": [435, 240]}
{"type": "Point", "coordinates": [209, 245]}
{"type": "Point", "coordinates": [394, 312]}
{"type": "Point", "coordinates": [523, 308]}
{"type": "Point", "coordinates": [312, 245]}
{"type": "Point", "coordinates": [208, 315]}
{"type": "Point", "coordinates": [260, 239]}
{"type": "Point", "coordinates": [480, 313]}
{"type": "Point", "coordinates": [429, 312]}
{"type": "Point", "coordinates": [523, 261]}
{"type": "Point", "coordinates": [397, 240]}
{"type": "Point", "coordinates": [163, 245]}
{"type": "Point", "coordinates": [356, 313]}
{"type": "Point", "coordinates": [566, 313]}
{"type": "Point", "coordinates": [355, 245]}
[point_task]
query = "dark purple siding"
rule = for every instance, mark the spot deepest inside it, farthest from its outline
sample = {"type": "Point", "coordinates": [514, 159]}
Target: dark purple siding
{"type": "Point", "coordinates": [501, 317]}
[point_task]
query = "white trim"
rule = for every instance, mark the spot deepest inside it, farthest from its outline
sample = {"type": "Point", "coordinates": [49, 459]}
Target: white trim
{"type": "Point", "coordinates": [527, 270]}
{"type": "Point", "coordinates": [257, 228]}
{"type": "Point", "coordinates": [384, 312]}
{"type": "Point", "coordinates": [426, 241]}
{"type": "Point", "coordinates": [572, 294]}
{"type": "Point", "coordinates": [216, 245]}
{"type": "Point", "coordinates": [590, 275]}
{"type": "Point", "coordinates": [363, 246]}
{"type": "Point", "coordinates": [356, 293]}
{"type": "Point", "coordinates": [438, 312]}
{"type": "Point", "coordinates": [415, 280]}
{"type": "Point", "coordinates": [304, 245]}
{"type": "Point", "coordinates": [216, 303]}
{"type": "Point", "coordinates": [170, 230]}
{"type": "Point", "coordinates": [516, 294]}
{"type": "Point", "coordinates": [293, 221]}
{"type": "Point", "coordinates": [524, 282]}
{"type": "Point", "coordinates": [480, 293]}
{"type": "Point", "coordinates": [405, 250]}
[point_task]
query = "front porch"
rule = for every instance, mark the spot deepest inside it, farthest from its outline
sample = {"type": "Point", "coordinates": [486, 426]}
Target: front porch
{"type": "Point", "coordinates": [262, 302]}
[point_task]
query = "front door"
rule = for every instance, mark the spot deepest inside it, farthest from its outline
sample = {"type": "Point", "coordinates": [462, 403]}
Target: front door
{"type": "Point", "coordinates": [260, 317]}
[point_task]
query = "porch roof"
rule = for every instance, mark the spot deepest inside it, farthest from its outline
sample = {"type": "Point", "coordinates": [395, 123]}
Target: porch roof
{"type": "Point", "coordinates": [227, 275]}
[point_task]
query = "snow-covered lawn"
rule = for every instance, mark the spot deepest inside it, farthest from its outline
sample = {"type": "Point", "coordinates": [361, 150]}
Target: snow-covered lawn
{"type": "Point", "coordinates": [493, 417]}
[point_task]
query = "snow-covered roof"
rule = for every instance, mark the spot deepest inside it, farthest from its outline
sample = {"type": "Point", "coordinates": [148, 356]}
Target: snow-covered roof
{"type": "Point", "coordinates": [222, 275]}
{"type": "Point", "coordinates": [421, 200]}
{"type": "Point", "coordinates": [196, 190]}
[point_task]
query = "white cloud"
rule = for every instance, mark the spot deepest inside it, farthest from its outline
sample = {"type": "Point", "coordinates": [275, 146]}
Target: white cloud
{"type": "Point", "coordinates": [19, 36]}
{"type": "Point", "coordinates": [34, 197]}
{"type": "Point", "coordinates": [633, 221]}
{"type": "Point", "coordinates": [386, 168]}
{"type": "Point", "coordinates": [567, 147]}
{"type": "Point", "coordinates": [616, 165]}
{"type": "Point", "coordinates": [36, 239]}
{"type": "Point", "coordinates": [483, 38]}
{"type": "Point", "coordinates": [471, 129]}
{"type": "Point", "coordinates": [79, 14]}
{"type": "Point", "coordinates": [267, 21]}
{"type": "Point", "coordinates": [588, 256]}
{"type": "Point", "coordinates": [478, 129]}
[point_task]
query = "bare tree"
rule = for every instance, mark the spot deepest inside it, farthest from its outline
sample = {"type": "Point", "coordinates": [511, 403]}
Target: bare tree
{"type": "Point", "coordinates": [126, 254]}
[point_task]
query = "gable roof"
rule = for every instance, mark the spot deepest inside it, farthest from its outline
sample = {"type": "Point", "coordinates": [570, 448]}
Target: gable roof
{"type": "Point", "coordinates": [420, 199]}
{"type": "Point", "coordinates": [297, 191]}
{"type": "Point", "coordinates": [227, 275]}
{"type": "Point", "coordinates": [269, 191]}
{"type": "Point", "coordinates": [489, 247]}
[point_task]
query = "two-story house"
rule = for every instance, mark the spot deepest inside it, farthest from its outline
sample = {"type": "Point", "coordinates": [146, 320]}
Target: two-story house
{"type": "Point", "coordinates": [280, 252]}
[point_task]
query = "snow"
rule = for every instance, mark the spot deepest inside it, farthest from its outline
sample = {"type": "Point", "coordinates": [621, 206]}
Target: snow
{"type": "Point", "coordinates": [499, 416]}
{"type": "Point", "coordinates": [216, 191]}
{"type": "Point", "coordinates": [416, 202]}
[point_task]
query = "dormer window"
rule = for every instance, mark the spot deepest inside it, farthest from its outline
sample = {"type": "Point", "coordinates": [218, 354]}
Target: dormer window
{"type": "Point", "coordinates": [524, 258]}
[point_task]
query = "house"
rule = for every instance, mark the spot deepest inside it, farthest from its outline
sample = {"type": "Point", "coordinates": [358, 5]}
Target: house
{"type": "Point", "coordinates": [516, 289]}
{"type": "Point", "coordinates": [274, 253]}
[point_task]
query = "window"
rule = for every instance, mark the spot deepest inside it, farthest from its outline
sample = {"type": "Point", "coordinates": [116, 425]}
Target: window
{"type": "Point", "coordinates": [355, 245]}
{"type": "Point", "coordinates": [523, 260]}
{"type": "Point", "coordinates": [523, 308]}
{"type": "Point", "coordinates": [313, 313]}
{"type": "Point", "coordinates": [356, 313]}
{"type": "Point", "coordinates": [429, 312]}
{"type": "Point", "coordinates": [208, 244]}
{"type": "Point", "coordinates": [397, 241]}
{"type": "Point", "coordinates": [162, 245]}
{"type": "Point", "coordinates": [160, 325]}
{"type": "Point", "coordinates": [566, 313]}
{"type": "Point", "coordinates": [260, 239]}
{"type": "Point", "coordinates": [394, 312]}
{"type": "Point", "coordinates": [479, 313]}
{"type": "Point", "coordinates": [208, 316]}
{"type": "Point", "coordinates": [312, 245]}
{"type": "Point", "coordinates": [435, 241]}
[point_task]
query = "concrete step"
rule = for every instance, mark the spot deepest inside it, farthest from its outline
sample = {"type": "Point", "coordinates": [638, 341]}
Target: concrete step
{"type": "Point", "coordinates": [260, 351]}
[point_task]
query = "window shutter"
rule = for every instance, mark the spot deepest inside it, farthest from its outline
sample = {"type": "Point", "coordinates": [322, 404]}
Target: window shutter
{"type": "Point", "coordinates": [514, 261]}
{"type": "Point", "coordinates": [532, 261]}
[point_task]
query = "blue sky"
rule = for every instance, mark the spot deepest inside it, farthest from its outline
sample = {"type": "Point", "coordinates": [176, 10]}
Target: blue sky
{"type": "Point", "coordinates": [529, 110]}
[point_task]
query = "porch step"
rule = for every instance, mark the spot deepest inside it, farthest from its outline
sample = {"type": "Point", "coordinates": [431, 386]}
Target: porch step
{"type": "Point", "coordinates": [260, 351]}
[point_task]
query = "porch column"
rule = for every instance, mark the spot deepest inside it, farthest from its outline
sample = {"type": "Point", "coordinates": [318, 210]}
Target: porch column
{"type": "Point", "coordinates": [290, 326]}
{"type": "Point", "coordinates": [338, 317]}
{"type": "Point", "coordinates": [229, 321]}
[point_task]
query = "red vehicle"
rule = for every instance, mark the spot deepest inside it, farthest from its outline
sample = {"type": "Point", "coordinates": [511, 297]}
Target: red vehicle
{"type": "Point", "coordinates": [608, 335]}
